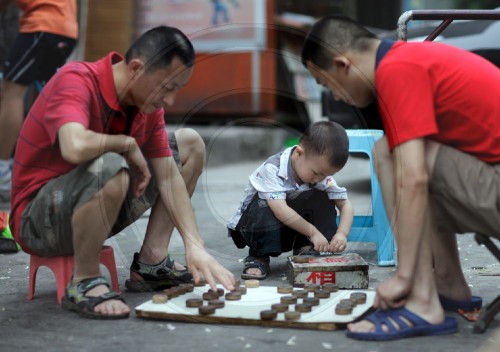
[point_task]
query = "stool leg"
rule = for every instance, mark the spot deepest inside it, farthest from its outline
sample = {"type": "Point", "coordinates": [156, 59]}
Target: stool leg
{"type": "Point", "coordinates": [32, 279]}
{"type": "Point", "coordinates": [108, 260]}
{"type": "Point", "coordinates": [486, 316]}
{"type": "Point", "coordinates": [62, 272]}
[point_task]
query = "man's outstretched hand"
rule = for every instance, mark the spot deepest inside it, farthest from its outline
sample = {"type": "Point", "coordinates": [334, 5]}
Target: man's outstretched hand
{"type": "Point", "coordinates": [203, 266]}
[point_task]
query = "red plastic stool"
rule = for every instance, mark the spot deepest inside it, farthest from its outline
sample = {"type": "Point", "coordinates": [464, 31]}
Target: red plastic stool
{"type": "Point", "coordinates": [62, 267]}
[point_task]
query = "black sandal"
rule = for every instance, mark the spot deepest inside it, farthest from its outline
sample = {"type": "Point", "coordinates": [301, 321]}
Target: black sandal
{"type": "Point", "coordinates": [156, 277]}
{"type": "Point", "coordinates": [261, 263]}
{"type": "Point", "coordinates": [75, 300]}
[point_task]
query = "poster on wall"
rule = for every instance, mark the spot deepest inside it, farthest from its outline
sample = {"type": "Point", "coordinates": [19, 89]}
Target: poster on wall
{"type": "Point", "coordinates": [212, 25]}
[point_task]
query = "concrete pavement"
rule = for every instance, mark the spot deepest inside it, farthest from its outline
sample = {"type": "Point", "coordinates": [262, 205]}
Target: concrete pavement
{"type": "Point", "coordinates": [233, 153]}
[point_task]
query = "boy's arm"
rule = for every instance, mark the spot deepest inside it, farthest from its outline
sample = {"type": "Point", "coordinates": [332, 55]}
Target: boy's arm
{"type": "Point", "coordinates": [346, 215]}
{"type": "Point", "coordinates": [292, 219]}
{"type": "Point", "coordinates": [176, 201]}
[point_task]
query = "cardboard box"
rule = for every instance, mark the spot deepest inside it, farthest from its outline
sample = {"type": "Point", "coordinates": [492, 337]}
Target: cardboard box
{"type": "Point", "coordinates": [347, 270]}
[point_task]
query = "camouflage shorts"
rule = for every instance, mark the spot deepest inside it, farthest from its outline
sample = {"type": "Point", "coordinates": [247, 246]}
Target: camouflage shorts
{"type": "Point", "coordinates": [46, 221]}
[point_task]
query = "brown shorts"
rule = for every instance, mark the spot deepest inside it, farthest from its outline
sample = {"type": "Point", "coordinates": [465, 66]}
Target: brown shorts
{"type": "Point", "coordinates": [46, 221]}
{"type": "Point", "coordinates": [465, 193]}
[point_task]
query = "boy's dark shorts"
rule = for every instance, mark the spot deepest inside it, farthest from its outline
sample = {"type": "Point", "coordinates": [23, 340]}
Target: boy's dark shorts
{"type": "Point", "coordinates": [260, 230]}
{"type": "Point", "coordinates": [36, 57]}
{"type": "Point", "coordinates": [46, 221]}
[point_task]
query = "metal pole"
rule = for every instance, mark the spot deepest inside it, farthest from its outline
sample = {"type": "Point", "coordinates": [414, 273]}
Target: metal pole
{"type": "Point", "coordinates": [446, 15]}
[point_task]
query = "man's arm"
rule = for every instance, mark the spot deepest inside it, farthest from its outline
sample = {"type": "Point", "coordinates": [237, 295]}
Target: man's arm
{"type": "Point", "coordinates": [176, 200]}
{"type": "Point", "coordinates": [411, 189]}
{"type": "Point", "coordinates": [78, 145]}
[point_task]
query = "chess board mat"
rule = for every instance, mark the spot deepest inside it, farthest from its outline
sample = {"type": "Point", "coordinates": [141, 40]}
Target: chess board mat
{"type": "Point", "coordinates": [247, 310]}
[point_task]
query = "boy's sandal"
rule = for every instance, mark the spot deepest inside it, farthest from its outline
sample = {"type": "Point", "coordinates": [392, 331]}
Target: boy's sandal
{"type": "Point", "coordinates": [261, 263]}
{"type": "Point", "coordinates": [75, 299]}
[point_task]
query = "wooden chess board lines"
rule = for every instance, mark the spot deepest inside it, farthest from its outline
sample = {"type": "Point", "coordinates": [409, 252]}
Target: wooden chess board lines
{"type": "Point", "coordinates": [247, 310]}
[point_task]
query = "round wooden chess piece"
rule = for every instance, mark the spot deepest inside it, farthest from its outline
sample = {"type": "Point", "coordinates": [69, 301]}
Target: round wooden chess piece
{"type": "Point", "coordinates": [280, 307]}
{"type": "Point", "coordinates": [268, 314]}
{"type": "Point", "coordinates": [206, 310]}
{"type": "Point", "coordinates": [292, 315]}
{"type": "Point", "coordinates": [194, 302]}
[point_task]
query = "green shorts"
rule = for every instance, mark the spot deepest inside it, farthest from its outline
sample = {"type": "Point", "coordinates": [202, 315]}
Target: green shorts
{"type": "Point", "coordinates": [46, 221]}
{"type": "Point", "coordinates": [465, 193]}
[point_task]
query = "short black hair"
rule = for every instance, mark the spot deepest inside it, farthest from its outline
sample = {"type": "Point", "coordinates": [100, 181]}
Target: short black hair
{"type": "Point", "coordinates": [333, 35]}
{"type": "Point", "coordinates": [158, 46]}
{"type": "Point", "coordinates": [327, 138]}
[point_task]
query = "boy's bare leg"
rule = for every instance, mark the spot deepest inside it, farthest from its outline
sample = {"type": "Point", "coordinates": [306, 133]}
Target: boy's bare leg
{"type": "Point", "coordinates": [160, 227]}
{"type": "Point", "coordinates": [89, 236]}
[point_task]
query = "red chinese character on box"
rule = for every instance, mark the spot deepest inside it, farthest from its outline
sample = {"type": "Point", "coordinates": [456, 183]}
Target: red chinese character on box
{"type": "Point", "coordinates": [322, 277]}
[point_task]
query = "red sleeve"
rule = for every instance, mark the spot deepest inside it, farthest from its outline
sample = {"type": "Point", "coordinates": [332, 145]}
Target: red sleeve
{"type": "Point", "coordinates": [406, 102]}
{"type": "Point", "coordinates": [69, 101]}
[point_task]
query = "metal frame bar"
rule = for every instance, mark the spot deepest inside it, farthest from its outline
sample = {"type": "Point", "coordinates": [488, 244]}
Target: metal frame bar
{"type": "Point", "coordinates": [446, 15]}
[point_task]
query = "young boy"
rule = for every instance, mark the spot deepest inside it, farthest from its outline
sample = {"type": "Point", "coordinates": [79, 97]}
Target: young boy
{"type": "Point", "coordinates": [291, 200]}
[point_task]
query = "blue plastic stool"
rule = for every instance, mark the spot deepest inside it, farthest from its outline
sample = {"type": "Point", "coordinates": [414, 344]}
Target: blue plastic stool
{"type": "Point", "coordinates": [374, 228]}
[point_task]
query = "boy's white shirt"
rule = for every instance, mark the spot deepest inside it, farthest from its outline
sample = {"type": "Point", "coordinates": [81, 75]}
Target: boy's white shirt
{"type": "Point", "coordinates": [273, 180]}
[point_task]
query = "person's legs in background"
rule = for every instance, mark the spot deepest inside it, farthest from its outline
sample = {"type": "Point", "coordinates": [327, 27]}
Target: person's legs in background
{"type": "Point", "coordinates": [33, 57]}
{"type": "Point", "coordinates": [9, 27]}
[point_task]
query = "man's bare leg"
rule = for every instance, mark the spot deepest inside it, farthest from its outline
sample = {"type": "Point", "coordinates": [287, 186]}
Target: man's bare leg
{"type": "Point", "coordinates": [423, 298]}
{"type": "Point", "coordinates": [160, 227]}
{"type": "Point", "coordinates": [11, 116]}
{"type": "Point", "coordinates": [449, 277]}
{"type": "Point", "coordinates": [385, 174]}
{"type": "Point", "coordinates": [450, 280]}
{"type": "Point", "coordinates": [448, 274]}
{"type": "Point", "coordinates": [89, 236]}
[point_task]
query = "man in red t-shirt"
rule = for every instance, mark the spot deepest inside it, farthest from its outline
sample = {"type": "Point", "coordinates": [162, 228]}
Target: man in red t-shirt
{"type": "Point", "coordinates": [438, 165]}
{"type": "Point", "coordinates": [82, 172]}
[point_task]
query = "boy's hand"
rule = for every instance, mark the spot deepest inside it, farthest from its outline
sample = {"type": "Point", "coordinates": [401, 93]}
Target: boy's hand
{"type": "Point", "coordinates": [338, 243]}
{"type": "Point", "coordinates": [320, 242]}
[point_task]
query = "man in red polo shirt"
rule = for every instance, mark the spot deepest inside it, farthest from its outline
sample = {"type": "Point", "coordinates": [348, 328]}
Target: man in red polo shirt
{"type": "Point", "coordinates": [438, 166]}
{"type": "Point", "coordinates": [82, 171]}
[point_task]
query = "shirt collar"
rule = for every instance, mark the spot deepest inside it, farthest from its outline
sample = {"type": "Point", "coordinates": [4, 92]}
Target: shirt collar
{"type": "Point", "coordinates": [284, 161]}
{"type": "Point", "coordinates": [382, 50]}
{"type": "Point", "coordinates": [106, 80]}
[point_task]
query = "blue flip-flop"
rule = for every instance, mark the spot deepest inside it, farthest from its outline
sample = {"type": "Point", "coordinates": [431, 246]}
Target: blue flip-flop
{"type": "Point", "coordinates": [475, 302]}
{"type": "Point", "coordinates": [402, 323]}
